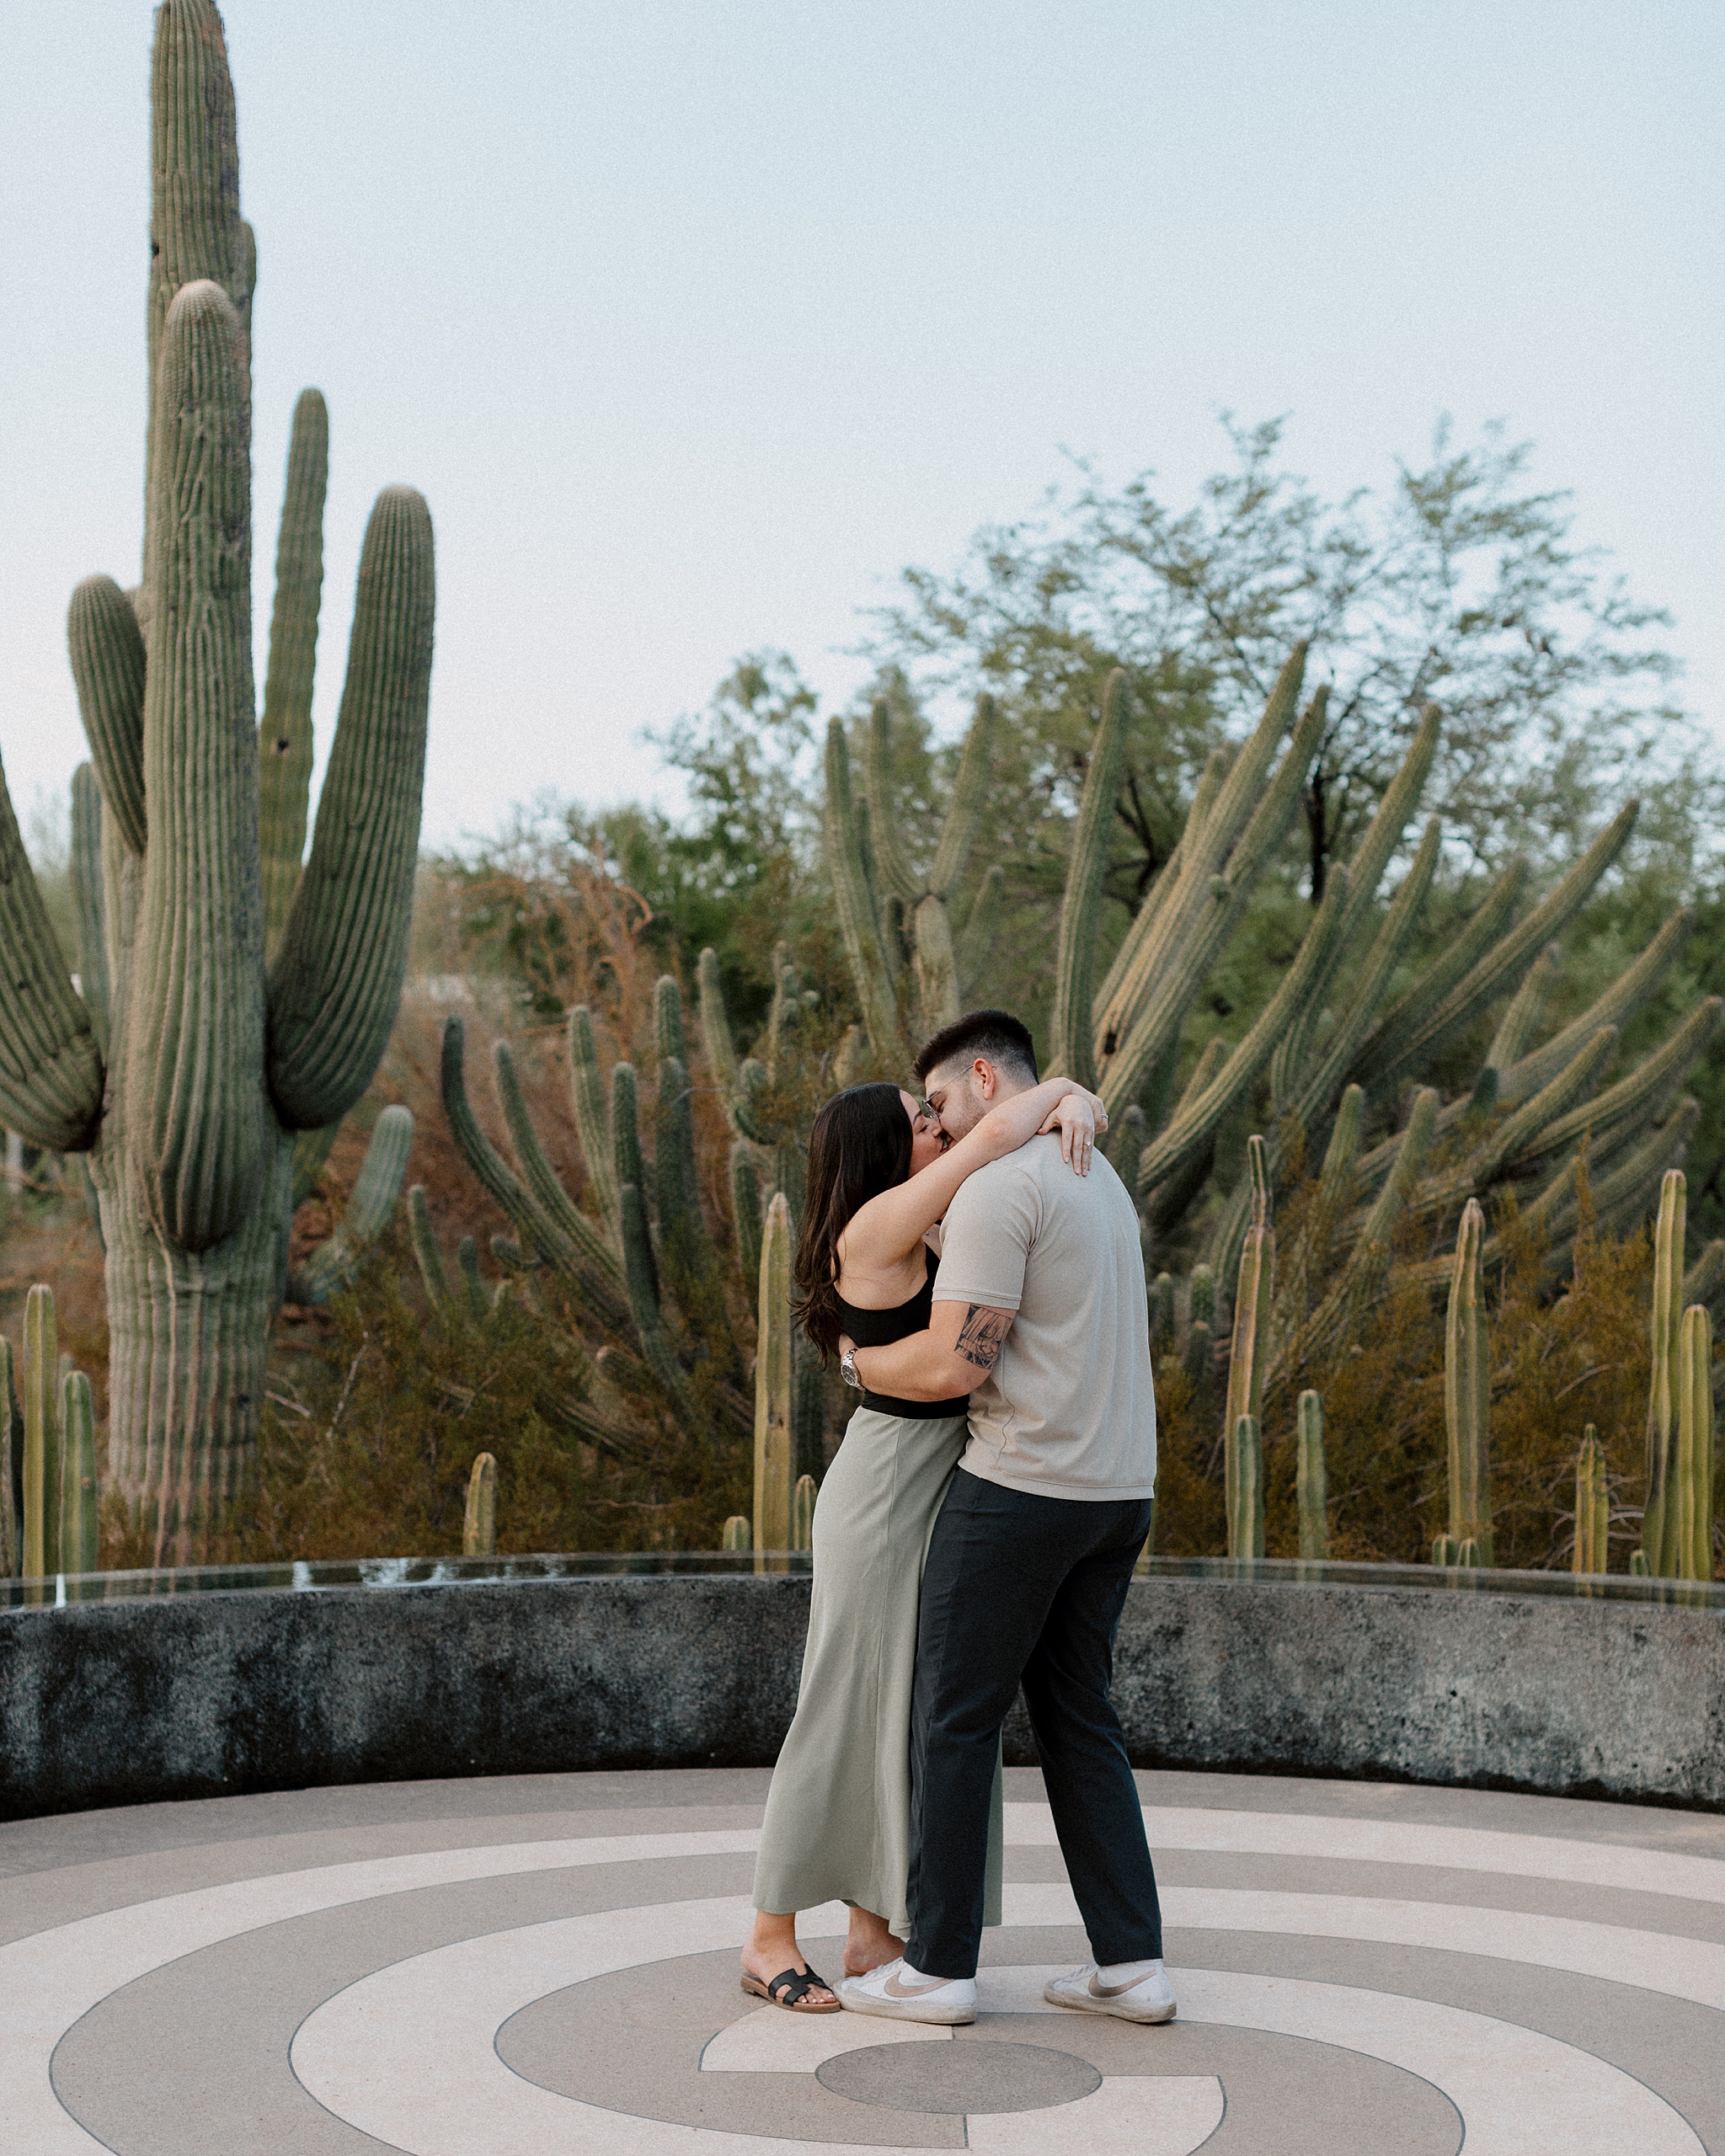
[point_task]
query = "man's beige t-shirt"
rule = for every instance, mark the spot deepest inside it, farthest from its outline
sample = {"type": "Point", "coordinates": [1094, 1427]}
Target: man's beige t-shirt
{"type": "Point", "coordinates": [1070, 1408]}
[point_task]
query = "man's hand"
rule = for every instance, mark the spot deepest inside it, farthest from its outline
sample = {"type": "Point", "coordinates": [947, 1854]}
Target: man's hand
{"type": "Point", "coordinates": [960, 1348]}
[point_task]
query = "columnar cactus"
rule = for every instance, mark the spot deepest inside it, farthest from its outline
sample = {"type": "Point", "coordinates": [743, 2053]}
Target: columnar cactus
{"type": "Point", "coordinates": [41, 1392]}
{"type": "Point", "coordinates": [1694, 1447]}
{"type": "Point", "coordinates": [1245, 1491]}
{"type": "Point", "coordinates": [1593, 1506]}
{"type": "Point", "coordinates": [479, 1520]}
{"type": "Point", "coordinates": [79, 1492]}
{"type": "Point", "coordinates": [803, 1499]}
{"type": "Point", "coordinates": [738, 1535]}
{"type": "Point", "coordinates": [1071, 1049]}
{"type": "Point", "coordinates": [1312, 1481]}
{"type": "Point", "coordinates": [646, 1265]}
{"type": "Point", "coordinates": [1661, 1534]}
{"type": "Point", "coordinates": [217, 1053]}
{"type": "Point", "coordinates": [775, 1454]}
{"type": "Point", "coordinates": [1250, 1352]}
{"type": "Point", "coordinates": [1468, 1402]}
{"type": "Point", "coordinates": [865, 921]}
{"type": "Point", "coordinates": [11, 1547]}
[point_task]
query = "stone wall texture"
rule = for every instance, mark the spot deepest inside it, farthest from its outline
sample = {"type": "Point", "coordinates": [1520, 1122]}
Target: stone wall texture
{"type": "Point", "coordinates": [222, 1694]}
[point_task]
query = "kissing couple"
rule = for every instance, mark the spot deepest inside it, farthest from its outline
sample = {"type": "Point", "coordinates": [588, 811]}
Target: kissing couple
{"type": "Point", "coordinates": [975, 1267]}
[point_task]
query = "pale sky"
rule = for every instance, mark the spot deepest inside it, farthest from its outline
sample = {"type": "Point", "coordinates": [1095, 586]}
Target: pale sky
{"type": "Point", "coordinates": [697, 321]}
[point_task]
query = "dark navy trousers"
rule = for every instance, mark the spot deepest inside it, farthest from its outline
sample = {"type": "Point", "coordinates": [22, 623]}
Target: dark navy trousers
{"type": "Point", "coordinates": [1025, 1590]}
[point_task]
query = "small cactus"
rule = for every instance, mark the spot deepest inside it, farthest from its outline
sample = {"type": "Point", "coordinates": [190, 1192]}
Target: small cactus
{"type": "Point", "coordinates": [1311, 1485]}
{"type": "Point", "coordinates": [79, 1492]}
{"type": "Point", "coordinates": [1246, 1489]}
{"type": "Point", "coordinates": [1638, 1568]}
{"type": "Point", "coordinates": [1251, 1350]}
{"type": "Point", "coordinates": [41, 1435]}
{"type": "Point", "coordinates": [738, 1534]}
{"type": "Point", "coordinates": [1593, 1506]}
{"type": "Point", "coordinates": [10, 1545]}
{"type": "Point", "coordinates": [1694, 1447]}
{"type": "Point", "coordinates": [1467, 1396]}
{"type": "Point", "coordinates": [1660, 1533]}
{"type": "Point", "coordinates": [803, 1513]}
{"type": "Point", "coordinates": [479, 1526]}
{"type": "Point", "coordinates": [774, 1454]}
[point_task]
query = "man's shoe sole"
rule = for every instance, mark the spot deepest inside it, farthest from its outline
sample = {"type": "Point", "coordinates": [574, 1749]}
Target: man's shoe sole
{"type": "Point", "coordinates": [907, 2009]}
{"type": "Point", "coordinates": [1084, 2003]}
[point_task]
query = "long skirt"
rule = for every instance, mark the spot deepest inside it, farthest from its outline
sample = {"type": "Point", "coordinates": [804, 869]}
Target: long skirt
{"type": "Point", "coordinates": [838, 1813]}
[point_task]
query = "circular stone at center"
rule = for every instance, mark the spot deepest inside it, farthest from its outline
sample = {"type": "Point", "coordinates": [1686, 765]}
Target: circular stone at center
{"type": "Point", "coordinates": [964, 2076]}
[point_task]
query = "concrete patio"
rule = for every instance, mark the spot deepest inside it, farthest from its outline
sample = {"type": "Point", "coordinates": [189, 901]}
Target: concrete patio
{"type": "Point", "coordinates": [519, 1966]}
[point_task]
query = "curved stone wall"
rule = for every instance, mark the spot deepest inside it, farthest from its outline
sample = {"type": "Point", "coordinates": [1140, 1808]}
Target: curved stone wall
{"type": "Point", "coordinates": [221, 1693]}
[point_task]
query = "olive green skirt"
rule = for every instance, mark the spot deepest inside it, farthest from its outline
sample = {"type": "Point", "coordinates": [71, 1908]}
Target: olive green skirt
{"type": "Point", "coordinates": [838, 1813]}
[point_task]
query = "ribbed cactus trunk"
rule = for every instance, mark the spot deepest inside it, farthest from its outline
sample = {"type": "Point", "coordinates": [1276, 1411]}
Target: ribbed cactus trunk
{"type": "Point", "coordinates": [775, 1450]}
{"type": "Point", "coordinates": [1593, 1506]}
{"type": "Point", "coordinates": [1660, 1534]}
{"type": "Point", "coordinates": [1248, 1361]}
{"type": "Point", "coordinates": [1694, 1446]}
{"type": "Point", "coordinates": [1311, 1480]}
{"type": "Point", "coordinates": [1467, 1400]}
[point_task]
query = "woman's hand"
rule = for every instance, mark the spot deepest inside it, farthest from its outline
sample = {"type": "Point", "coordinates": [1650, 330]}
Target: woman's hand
{"type": "Point", "coordinates": [1078, 1118]}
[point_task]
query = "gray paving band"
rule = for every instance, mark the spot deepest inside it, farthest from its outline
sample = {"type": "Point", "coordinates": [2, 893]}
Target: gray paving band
{"type": "Point", "coordinates": [195, 2057]}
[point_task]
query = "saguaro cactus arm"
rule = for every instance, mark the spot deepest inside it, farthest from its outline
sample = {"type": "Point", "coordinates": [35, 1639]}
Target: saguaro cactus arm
{"type": "Point", "coordinates": [195, 1047]}
{"type": "Point", "coordinates": [331, 1265]}
{"type": "Point", "coordinates": [285, 731]}
{"type": "Point", "coordinates": [107, 651]}
{"type": "Point", "coordinates": [1081, 906]}
{"type": "Point", "coordinates": [336, 981]}
{"type": "Point", "coordinates": [1617, 1006]}
{"type": "Point", "coordinates": [86, 867]}
{"type": "Point", "coordinates": [890, 857]}
{"type": "Point", "coordinates": [51, 1074]}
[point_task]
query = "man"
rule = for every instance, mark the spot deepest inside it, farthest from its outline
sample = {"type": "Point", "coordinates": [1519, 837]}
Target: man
{"type": "Point", "coordinates": [1039, 1315]}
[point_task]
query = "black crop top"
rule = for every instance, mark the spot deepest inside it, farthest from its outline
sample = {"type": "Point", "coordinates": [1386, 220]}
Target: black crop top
{"type": "Point", "coordinates": [880, 1328]}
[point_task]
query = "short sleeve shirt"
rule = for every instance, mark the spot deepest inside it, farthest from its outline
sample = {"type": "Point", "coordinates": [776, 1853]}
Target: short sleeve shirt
{"type": "Point", "coordinates": [1069, 1410]}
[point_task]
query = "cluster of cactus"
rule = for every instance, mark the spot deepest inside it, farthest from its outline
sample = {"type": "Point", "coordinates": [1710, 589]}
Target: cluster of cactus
{"type": "Point", "coordinates": [49, 1488]}
{"type": "Point", "coordinates": [232, 1003]}
{"type": "Point", "coordinates": [908, 967]}
{"type": "Point", "coordinates": [1677, 1524]}
{"type": "Point", "coordinates": [643, 1266]}
{"type": "Point", "coordinates": [1467, 1401]}
{"type": "Point", "coordinates": [1336, 1055]}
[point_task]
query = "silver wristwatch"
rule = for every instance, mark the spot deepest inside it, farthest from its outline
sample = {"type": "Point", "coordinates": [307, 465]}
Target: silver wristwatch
{"type": "Point", "coordinates": [847, 1368]}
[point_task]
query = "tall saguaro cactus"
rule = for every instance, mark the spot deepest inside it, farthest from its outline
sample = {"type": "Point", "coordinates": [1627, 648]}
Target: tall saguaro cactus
{"type": "Point", "coordinates": [1694, 1446]}
{"type": "Point", "coordinates": [211, 1064]}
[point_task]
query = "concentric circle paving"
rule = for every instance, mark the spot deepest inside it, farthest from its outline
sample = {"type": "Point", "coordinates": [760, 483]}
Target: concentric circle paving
{"type": "Point", "coordinates": [531, 1967]}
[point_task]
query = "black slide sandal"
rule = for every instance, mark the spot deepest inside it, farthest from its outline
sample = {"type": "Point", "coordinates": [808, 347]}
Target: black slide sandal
{"type": "Point", "coordinates": [789, 1989]}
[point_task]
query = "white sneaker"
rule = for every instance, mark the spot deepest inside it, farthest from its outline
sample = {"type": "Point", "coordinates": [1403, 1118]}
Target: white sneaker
{"type": "Point", "coordinates": [1148, 1998]}
{"type": "Point", "coordinates": [903, 1993]}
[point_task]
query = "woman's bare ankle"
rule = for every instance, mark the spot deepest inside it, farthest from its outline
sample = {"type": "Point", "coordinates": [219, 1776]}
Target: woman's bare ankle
{"type": "Point", "coordinates": [870, 1943]}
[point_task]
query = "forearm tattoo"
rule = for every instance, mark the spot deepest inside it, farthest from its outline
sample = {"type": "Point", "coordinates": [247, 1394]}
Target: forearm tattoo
{"type": "Point", "coordinates": [981, 1334]}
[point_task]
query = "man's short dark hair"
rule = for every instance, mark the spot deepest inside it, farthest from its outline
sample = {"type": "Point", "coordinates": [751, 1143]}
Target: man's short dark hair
{"type": "Point", "coordinates": [996, 1036]}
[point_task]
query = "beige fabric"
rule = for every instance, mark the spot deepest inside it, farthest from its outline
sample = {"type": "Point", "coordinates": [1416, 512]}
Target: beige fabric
{"type": "Point", "coordinates": [1069, 1410]}
{"type": "Point", "coordinates": [838, 1813]}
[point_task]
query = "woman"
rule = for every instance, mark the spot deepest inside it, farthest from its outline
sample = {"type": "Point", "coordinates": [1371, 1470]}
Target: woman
{"type": "Point", "coordinates": [838, 1815]}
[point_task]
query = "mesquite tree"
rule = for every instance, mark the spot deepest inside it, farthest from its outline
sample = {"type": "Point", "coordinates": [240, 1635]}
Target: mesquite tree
{"type": "Point", "coordinates": [189, 1065]}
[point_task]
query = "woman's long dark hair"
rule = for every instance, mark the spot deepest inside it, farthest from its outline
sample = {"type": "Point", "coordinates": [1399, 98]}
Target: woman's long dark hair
{"type": "Point", "coordinates": [860, 1146]}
